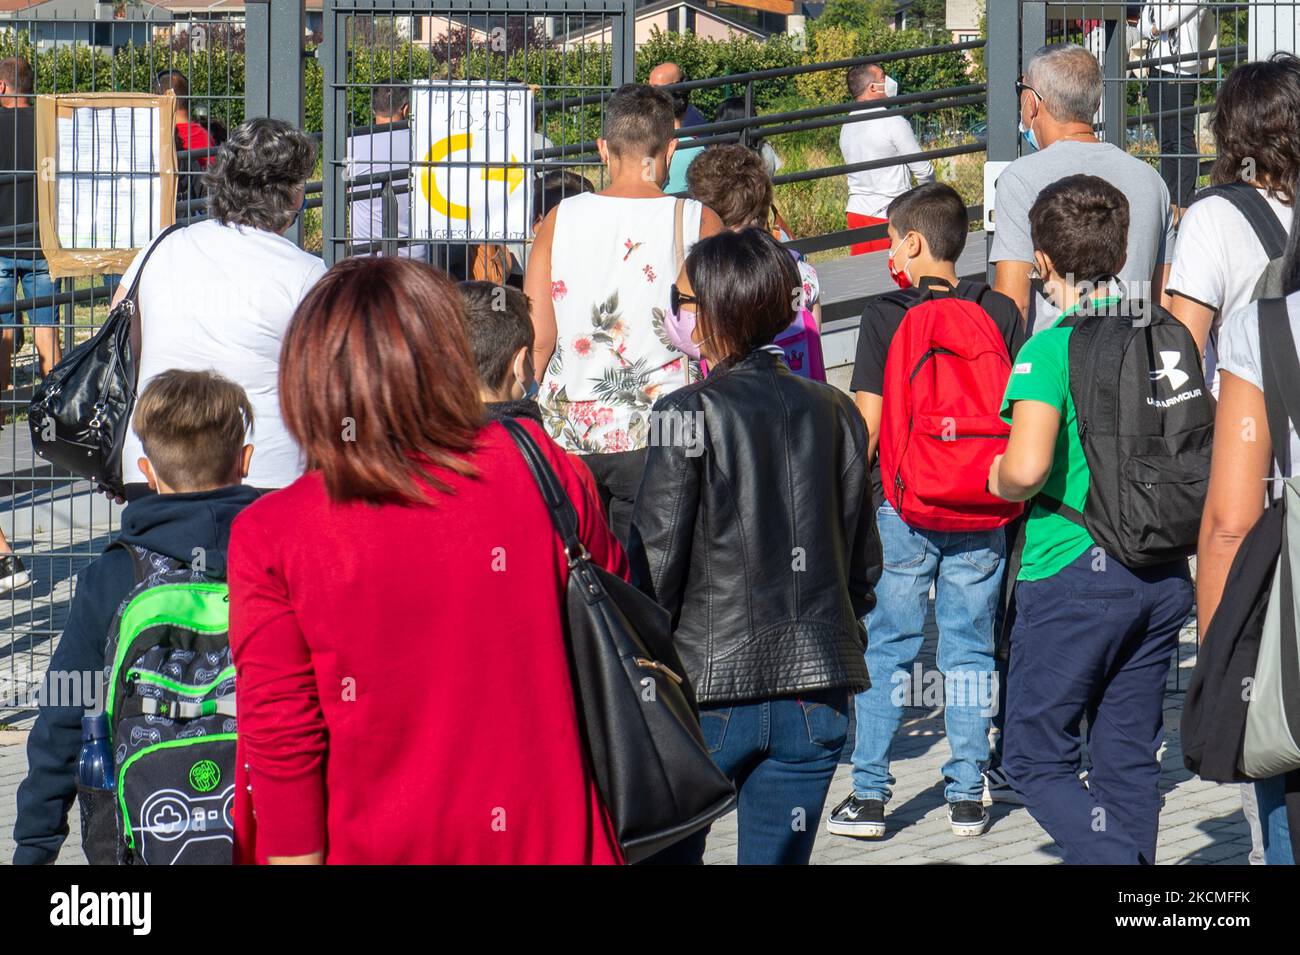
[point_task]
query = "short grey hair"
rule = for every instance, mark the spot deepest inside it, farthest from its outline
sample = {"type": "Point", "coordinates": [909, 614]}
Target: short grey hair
{"type": "Point", "coordinates": [258, 171]}
{"type": "Point", "coordinates": [1068, 78]}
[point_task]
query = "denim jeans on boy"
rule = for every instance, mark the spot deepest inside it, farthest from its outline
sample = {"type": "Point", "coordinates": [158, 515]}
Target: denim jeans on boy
{"type": "Point", "coordinates": [1094, 640]}
{"type": "Point", "coordinates": [34, 274]}
{"type": "Point", "coordinates": [1271, 796]}
{"type": "Point", "coordinates": [781, 753]}
{"type": "Point", "coordinates": [966, 570]}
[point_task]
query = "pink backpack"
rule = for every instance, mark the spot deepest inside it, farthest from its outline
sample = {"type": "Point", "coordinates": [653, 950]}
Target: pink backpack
{"type": "Point", "coordinates": [802, 344]}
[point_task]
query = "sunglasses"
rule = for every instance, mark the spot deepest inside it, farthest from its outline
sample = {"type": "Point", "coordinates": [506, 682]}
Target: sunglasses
{"type": "Point", "coordinates": [677, 298]}
{"type": "Point", "coordinates": [1022, 87]}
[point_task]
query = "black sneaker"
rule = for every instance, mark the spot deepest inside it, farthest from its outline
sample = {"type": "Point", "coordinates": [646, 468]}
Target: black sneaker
{"type": "Point", "coordinates": [967, 817]}
{"type": "Point", "coordinates": [997, 787]}
{"type": "Point", "coordinates": [860, 818]}
{"type": "Point", "coordinates": [12, 573]}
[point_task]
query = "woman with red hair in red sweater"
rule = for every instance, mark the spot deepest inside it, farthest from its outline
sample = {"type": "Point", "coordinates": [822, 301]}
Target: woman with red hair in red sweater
{"type": "Point", "coordinates": [396, 613]}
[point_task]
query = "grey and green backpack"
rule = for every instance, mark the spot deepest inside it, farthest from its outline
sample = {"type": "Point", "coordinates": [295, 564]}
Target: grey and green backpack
{"type": "Point", "coordinates": [170, 702]}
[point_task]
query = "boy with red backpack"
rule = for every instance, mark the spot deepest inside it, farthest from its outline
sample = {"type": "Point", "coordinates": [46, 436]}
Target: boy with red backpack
{"type": "Point", "coordinates": [932, 363]}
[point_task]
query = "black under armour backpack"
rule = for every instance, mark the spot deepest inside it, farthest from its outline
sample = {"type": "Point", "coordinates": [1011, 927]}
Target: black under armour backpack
{"type": "Point", "coordinates": [1145, 423]}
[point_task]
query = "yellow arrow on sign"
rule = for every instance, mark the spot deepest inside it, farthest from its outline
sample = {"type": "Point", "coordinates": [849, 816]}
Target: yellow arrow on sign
{"type": "Point", "coordinates": [514, 175]}
{"type": "Point", "coordinates": [460, 142]}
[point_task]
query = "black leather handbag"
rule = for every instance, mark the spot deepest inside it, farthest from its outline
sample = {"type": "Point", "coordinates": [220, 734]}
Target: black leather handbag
{"type": "Point", "coordinates": [79, 414]}
{"type": "Point", "coordinates": [638, 714]}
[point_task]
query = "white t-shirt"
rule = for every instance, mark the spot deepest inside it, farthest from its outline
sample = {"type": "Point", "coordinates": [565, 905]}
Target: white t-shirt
{"type": "Point", "coordinates": [217, 297]}
{"type": "Point", "coordinates": [872, 190]}
{"type": "Point", "coordinates": [377, 154]}
{"type": "Point", "coordinates": [1239, 352]}
{"type": "Point", "coordinates": [1217, 263]}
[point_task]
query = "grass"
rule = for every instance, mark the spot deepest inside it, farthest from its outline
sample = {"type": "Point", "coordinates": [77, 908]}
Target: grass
{"type": "Point", "coordinates": [816, 207]}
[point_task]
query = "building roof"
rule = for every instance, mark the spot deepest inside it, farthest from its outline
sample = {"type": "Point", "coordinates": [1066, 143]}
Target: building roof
{"type": "Point", "coordinates": [658, 6]}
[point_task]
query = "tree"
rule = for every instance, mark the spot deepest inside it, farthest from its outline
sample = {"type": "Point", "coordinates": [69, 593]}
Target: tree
{"type": "Point", "coordinates": [855, 14]}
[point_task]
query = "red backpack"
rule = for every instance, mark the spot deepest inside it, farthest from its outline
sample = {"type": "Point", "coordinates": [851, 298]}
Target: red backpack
{"type": "Point", "coordinates": [945, 375]}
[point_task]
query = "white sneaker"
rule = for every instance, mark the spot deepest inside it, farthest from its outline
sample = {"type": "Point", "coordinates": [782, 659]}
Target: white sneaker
{"type": "Point", "coordinates": [12, 573]}
{"type": "Point", "coordinates": [997, 788]}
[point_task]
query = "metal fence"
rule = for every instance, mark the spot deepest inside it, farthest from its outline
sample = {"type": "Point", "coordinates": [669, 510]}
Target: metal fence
{"type": "Point", "coordinates": [55, 525]}
{"type": "Point", "coordinates": [349, 75]}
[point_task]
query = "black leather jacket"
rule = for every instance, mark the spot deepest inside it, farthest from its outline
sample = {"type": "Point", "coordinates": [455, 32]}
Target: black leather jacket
{"type": "Point", "coordinates": [757, 533]}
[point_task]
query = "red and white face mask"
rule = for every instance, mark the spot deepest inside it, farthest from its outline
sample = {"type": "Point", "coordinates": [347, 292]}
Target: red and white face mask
{"type": "Point", "coordinates": [900, 276]}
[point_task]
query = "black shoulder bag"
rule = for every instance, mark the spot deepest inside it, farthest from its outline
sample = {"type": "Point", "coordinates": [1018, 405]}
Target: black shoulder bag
{"type": "Point", "coordinates": [80, 412]}
{"type": "Point", "coordinates": [638, 717]}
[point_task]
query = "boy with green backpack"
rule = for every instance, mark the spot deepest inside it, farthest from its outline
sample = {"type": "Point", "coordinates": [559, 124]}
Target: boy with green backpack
{"type": "Point", "coordinates": [149, 614]}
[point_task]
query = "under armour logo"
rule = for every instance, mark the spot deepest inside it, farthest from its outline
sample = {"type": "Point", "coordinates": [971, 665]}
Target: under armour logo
{"type": "Point", "coordinates": [1169, 369]}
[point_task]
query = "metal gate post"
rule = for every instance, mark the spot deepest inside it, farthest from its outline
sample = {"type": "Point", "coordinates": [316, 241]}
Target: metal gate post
{"type": "Point", "coordinates": [333, 54]}
{"type": "Point", "coordinates": [623, 46]}
{"type": "Point", "coordinates": [1001, 59]}
{"type": "Point", "coordinates": [1114, 102]}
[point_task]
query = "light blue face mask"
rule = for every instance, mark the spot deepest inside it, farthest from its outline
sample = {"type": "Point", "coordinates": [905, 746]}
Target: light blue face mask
{"type": "Point", "coordinates": [1027, 134]}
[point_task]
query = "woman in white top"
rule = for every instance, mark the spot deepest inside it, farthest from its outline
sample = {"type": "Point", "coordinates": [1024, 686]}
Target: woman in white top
{"type": "Point", "coordinates": [1177, 32]}
{"type": "Point", "coordinates": [1240, 469]}
{"type": "Point", "coordinates": [219, 294]}
{"type": "Point", "coordinates": [1218, 259]}
{"type": "Point", "coordinates": [599, 277]}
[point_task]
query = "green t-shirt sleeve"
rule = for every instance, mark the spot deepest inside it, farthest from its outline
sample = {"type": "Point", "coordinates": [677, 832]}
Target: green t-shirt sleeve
{"type": "Point", "coordinates": [1040, 372]}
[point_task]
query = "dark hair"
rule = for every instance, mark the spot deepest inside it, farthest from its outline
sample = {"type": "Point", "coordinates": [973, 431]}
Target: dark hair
{"type": "Point", "coordinates": [551, 187]}
{"type": "Point", "coordinates": [638, 121]}
{"type": "Point", "coordinates": [733, 108]}
{"type": "Point", "coordinates": [497, 324]}
{"type": "Point", "coordinates": [377, 384]}
{"type": "Point", "coordinates": [192, 426]}
{"type": "Point", "coordinates": [732, 181]}
{"type": "Point", "coordinates": [17, 72]}
{"type": "Point", "coordinates": [173, 80]}
{"type": "Point", "coordinates": [256, 173]}
{"type": "Point", "coordinates": [680, 100]}
{"type": "Point", "coordinates": [859, 77]}
{"type": "Point", "coordinates": [389, 100]}
{"type": "Point", "coordinates": [1256, 123]}
{"type": "Point", "coordinates": [747, 285]}
{"type": "Point", "coordinates": [1081, 224]}
{"type": "Point", "coordinates": [937, 212]}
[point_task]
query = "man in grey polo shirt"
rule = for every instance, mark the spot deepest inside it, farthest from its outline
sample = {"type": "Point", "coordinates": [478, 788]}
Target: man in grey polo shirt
{"type": "Point", "coordinates": [1059, 96]}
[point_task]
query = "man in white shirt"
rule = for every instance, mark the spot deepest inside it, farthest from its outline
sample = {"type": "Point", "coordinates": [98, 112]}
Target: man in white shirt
{"type": "Point", "coordinates": [872, 135]}
{"type": "Point", "coordinates": [385, 150]}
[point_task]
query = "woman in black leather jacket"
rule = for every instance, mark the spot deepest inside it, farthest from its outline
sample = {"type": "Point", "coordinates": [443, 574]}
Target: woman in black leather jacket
{"type": "Point", "coordinates": [754, 528]}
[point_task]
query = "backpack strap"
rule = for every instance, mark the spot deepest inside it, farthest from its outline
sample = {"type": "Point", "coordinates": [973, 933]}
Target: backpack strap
{"type": "Point", "coordinates": [1281, 374]}
{"type": "Point", "coordinates": [1255, 209]}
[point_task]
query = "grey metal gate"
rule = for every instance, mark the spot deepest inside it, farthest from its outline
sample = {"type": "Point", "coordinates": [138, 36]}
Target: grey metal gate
{"type": "Point", "coordinates": [54, 522]}
{"type": "Point", "coordinates": [571, 53]}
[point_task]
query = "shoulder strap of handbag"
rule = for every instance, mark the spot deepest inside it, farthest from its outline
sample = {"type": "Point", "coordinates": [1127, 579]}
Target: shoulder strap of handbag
{"type": "Point", "coordinates": [133, 294]}
{"type": "Point", "coordinates": [679, 239]}
{"type": "Point", "coordinates": [563, 517]}
{"type": "Point", "coordinates": [1281, 373]}
{"type": "Point", "coordinates": [1255, 209]}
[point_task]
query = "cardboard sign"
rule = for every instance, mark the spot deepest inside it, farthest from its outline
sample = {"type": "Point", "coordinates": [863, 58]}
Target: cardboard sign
{"type": "Point", "coordinates": [470, 143]}
{"type": "Point", "coordinates": [106, 181]}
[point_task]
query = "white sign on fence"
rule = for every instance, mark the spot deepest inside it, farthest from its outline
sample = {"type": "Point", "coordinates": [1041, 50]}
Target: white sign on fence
{"type": "Point", "coordinates": [470, 142]}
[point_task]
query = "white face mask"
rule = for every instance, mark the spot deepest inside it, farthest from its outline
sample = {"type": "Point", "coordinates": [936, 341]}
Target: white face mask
{"type": "Point", "coordinates": [891, 86]}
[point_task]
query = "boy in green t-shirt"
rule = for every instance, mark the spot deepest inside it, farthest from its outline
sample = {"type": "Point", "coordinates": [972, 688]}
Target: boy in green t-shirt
{"type": "Point", "coordinates": [1091, 636]}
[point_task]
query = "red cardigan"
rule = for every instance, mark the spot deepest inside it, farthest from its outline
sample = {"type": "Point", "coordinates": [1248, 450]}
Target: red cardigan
{"type": "Point", "coordinates": [404, 694]}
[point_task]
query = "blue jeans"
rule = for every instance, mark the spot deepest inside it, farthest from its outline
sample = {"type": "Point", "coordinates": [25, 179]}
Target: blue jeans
{"type": "Point", "coordinates": [966, 569]}
{"type": "Point", "coordinates": [34, 275]}
{"type": "Point", "coordinates": [1271, 793]}
{"type": "Point", "coordinates": [1095, 639]}
{"type": "Point", "coordinates": [781, 753]}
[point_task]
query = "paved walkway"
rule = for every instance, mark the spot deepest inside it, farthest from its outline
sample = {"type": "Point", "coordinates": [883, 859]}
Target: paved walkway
{"type": "Point", "coordinates": [1201, 822]}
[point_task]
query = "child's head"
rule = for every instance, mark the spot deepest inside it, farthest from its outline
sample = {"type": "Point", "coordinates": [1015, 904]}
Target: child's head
{"type": "Point", "coordinates": [1079, 227]}
{"type": "Point", "coordinates": [550, 188]}
{"type": "Point", "coordinates": [192, 425]}
{"type": "Point", "coordinates": [638, 126]}
{"type": "Point", "coordinates": [733, 182]}
{"type": "Point", "coordinates": [927, 229]}
{"type": "Point", "coordinates": [500, 336]}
